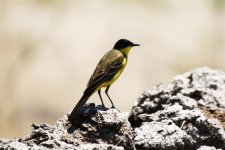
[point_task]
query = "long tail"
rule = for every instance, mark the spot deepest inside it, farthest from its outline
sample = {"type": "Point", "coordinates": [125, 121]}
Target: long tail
{"type": "Point", "coordinates": [92, 87]}
{"type": "Point", "coordinates": [78, 107]}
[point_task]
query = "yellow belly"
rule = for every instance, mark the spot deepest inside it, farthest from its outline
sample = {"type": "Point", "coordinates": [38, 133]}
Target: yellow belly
{"type": "Point", "coordinates": [108, 83]}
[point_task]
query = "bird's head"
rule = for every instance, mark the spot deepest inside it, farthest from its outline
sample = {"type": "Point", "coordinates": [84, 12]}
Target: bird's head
{"type": "Point", "coordinates": [124, 46]}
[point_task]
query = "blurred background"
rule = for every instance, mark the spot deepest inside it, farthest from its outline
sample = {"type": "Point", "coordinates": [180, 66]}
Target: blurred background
{"type": "Point", "coordinates": [49, 49]}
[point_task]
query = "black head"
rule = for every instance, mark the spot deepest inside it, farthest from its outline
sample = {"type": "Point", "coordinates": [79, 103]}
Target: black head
{"type": "Point", "coordinates": [123, 43]}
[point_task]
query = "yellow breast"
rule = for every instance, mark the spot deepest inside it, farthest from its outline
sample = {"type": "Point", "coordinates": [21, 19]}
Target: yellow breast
{"type": "Point", "coordinates": [108, 83]}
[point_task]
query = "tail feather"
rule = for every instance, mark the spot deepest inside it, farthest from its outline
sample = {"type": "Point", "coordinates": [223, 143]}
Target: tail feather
{"type": "Point", "coordinates": [78, 107]}
{"type": "Point", "coordinates": [87, 93]}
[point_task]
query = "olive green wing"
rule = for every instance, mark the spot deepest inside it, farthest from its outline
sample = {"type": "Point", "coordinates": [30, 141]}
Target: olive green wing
{"type": "Point", "coordinates": [107, 67]}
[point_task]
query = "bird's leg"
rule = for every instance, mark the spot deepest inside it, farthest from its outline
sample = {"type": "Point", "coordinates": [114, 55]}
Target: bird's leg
{"type": "Point", "coordinates": [106, 92]}
{"type": "Point", "coordinates": [99, 93]}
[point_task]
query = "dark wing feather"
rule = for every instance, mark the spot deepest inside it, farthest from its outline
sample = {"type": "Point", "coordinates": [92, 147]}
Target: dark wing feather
{"type": "Point", "coordinates": [108, 66]}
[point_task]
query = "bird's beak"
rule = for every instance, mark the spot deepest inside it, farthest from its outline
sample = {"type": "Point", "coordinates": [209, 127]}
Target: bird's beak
{"type": "Point", "coordinates": [136, 45]}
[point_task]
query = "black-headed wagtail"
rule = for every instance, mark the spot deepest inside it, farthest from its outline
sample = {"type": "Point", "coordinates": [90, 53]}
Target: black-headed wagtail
{"type": "Point", "coordinates": [106, 73]}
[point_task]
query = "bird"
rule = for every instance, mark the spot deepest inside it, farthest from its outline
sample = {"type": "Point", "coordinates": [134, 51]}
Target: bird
{"type": "Point", "coordinates": [107, 71]}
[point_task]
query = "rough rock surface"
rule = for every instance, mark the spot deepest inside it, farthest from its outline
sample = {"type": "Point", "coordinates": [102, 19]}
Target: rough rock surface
{"type": "Point", "coordinates": [187, 113]}
{"type": "Point", "coordinates": [104, 129]}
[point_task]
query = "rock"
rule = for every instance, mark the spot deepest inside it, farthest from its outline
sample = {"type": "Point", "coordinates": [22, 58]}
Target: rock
{"type": "Point", "coordinates": [186, 113]}
{"type": "Point", "coordinates": [108, 129]}
{"type": "Point", "coordinates": [207, 148]}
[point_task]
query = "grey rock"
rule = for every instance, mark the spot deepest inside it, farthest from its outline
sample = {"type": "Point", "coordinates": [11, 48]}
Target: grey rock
{"type": "Point", "coordinates": [207, 148]}
{"type": "Point", "coordinates": [160, 135]}
{"type": "Point", "coordinates": [186, 113]}
{"type": "Point", "coordinates": [106, 129]}
{"type": "Point", "coordinates": [194, 106]}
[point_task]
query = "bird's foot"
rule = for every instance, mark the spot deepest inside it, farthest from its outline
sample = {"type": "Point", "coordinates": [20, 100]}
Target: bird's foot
{"type": "Point", "coordinates": [102, 107]}
{"type": "Point", "coordinates": [113, 107]}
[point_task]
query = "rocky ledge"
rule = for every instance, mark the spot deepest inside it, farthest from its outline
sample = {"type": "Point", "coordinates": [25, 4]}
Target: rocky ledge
{"type": "Point", "coordinates": [187, 113]}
